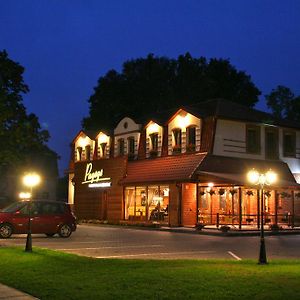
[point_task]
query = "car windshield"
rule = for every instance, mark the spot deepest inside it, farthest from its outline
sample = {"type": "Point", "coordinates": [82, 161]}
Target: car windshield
{"type": "Point", "coordinates": [13, 207]}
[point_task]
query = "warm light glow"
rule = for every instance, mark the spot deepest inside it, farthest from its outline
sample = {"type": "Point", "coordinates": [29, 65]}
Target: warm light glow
{"type": "Point", "coordinates": [31, 179]}
{"type": "Point", "coordinates": [99, 185]}
{"type": "Point", "coordinates": [82, 142]}
{"type": "Point", "coordinates": [271, 177]}
{"type": "Point", "coordinates": [153, 128]}
{"type": "Point", "coordinates": [23, 195]}
{"type": "Point", "coordinates": [183, 122]}
{"type": "Point", "coordinates": [268, 178]}
{"type": "Point", "coordinates": [210, 184]}
{"type": "Point", "coordinates": [253, 176]}
{"type": "Point", "coordinates": [103, 138]}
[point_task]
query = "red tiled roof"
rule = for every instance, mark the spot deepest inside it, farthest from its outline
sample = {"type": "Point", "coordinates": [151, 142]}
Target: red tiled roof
{"type": "Point", "coordinates": [162, 169]}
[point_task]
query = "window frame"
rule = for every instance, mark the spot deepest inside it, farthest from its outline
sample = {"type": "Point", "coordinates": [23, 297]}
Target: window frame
{"type": "Point", "coordinates": [286, 153]}
{"type": "Point", "coordinates": [250, 149]}
{"type": "Point", "coordinates": [274, 154]}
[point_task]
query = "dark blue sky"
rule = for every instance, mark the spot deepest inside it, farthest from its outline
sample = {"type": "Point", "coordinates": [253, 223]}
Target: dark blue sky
{"type": "Point", "coordinates": [66, 46]}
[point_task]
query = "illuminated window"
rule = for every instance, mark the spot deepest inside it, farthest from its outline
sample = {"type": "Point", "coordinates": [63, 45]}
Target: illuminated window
{"type": "Point", "coordinates": [289, 143]}
{"type": "Point", "coordinates": [253, 139]}
{"type": "Point", "coordinates": [88, 152]}
{"type": "Point", "coordinates": [79, 153]}
{"type": "Point", "coordinates": [154, 141]}
{"type": "Point", "coordinates": [103, 147]}
{"type": "Point", "coordinates": [147, 203]}
{"type": "Point", "coordinates": [191, 139]}
{"type": "Point", "coordinates": [177, 140]}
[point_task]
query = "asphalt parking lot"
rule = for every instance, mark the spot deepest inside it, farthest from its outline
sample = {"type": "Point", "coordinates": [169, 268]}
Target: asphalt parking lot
{"type": "Point", "coordinates": [120, 242]}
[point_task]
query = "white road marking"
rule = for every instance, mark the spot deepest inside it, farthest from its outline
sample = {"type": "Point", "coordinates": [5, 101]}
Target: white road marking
{"type": "Point", "coordinates": [233, 255]}
{"type": "Point", "coordinates": [112, 247]}
{"type": "Point", "coordinates": [153, 254]}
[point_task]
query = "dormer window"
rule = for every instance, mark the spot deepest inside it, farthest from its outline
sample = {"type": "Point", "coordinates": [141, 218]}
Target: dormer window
{"type": "Point", "coordinates": [177, 140]}
{"type": "Point", "coordinates": [87, 152]}
{"type": "Point", "coordinates": [103, 147]}
{"type": "Point", "coordinates": [131, 147]}
{"type": "Point", "coordinates": [154, 141]}
{"type": "Point", "coordinates": [79, 153]}
{"type": "Point", "coordinates": [191, 139]}
{"type": "Point", "coordinates": [121, 147]}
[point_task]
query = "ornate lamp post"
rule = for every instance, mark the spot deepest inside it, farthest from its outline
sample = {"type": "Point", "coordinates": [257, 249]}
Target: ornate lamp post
{"type": "Point", "coordinates": [267, 178]}
{"type": "Point", "coordinates": [30, 180]}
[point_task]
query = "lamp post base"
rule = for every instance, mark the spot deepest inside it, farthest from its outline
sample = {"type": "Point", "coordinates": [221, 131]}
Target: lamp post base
{"type": "Point", "coordinates": [28, 247]}
{"type": "Point", "coordinates": [262, 253]}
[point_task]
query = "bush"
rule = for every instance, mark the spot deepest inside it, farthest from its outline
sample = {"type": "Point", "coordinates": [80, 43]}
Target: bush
{"type": "Point", "coordinates": [224, 228]}
{"type": "Point", "coordinates": [199, 226]}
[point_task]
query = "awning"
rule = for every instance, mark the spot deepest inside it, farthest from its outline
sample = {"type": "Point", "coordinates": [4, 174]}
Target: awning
{"type": "Point", "coordinates": [232, 170]}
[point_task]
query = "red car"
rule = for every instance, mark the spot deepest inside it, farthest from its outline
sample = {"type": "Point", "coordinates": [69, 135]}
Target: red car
{"type": "Point", "coordinates": [49, 217]}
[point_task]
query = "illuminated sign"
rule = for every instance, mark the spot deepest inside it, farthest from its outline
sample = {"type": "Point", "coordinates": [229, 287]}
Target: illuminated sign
{"type": "Point", "coordinates": [100, 184]}
{"type": "Point", "coordinates": [92, 176]}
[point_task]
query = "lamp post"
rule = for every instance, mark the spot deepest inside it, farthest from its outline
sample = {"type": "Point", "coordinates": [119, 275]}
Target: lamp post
{"type": "Point", "coordinates": [268, 178]}
{"type": "Point", "coordinates": [30, 180]}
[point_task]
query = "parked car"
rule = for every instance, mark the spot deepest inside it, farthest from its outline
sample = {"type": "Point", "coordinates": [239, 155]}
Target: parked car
{"type": "Point", "coordinates": [49, 217]}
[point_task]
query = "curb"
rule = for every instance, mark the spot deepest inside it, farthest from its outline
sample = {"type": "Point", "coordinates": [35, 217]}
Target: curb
{"type": "Point", "coordinates": [212, 232]}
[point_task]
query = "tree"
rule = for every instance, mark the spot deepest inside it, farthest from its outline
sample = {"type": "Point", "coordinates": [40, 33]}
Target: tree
{"type": "Point", "coordinates": [21, 136]}
{"type": "Point", "coordinates": [283, 103]}
{"type": "Point", "coordinates": [151, 84]}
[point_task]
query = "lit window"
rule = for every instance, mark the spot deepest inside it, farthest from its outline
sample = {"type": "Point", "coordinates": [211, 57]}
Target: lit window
{"type": "Point", "coordinates": [154, 141]}
{"type": "Point", "coordinates": [177, 140]}
{"type": "Point", "coordinates": [88, 152]}
{"type": "Point", "coordinates": [191, 139]}
{"type": "Point", "coordinates": [79, 153]}
{"type": "Point", "coordinates": [103, 147]}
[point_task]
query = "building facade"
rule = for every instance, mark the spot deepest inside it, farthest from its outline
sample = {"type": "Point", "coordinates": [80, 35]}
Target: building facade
{"type": "Point", "coordinates": [187, 167]}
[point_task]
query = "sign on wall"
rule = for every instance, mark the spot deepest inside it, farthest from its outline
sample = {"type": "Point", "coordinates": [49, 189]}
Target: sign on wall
{"type": "Point", "coordinates": [95, 178]}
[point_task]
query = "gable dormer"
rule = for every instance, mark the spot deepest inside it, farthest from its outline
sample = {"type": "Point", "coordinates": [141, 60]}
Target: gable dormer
{"type": "Point", "coordinates": [83, 147]}
{"type": "Point", "coordinates": [154, 134]}
{"type": "Point", "coordinates": [103, 142]}
{"type": "Point", "coordinates": [127, 137]}
{"type": "Point", "coordinates": [184, 132]}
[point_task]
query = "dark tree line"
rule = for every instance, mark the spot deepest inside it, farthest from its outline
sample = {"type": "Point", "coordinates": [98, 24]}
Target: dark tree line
{"type": "Point", "coordinates": [152, 84]}
{"type": "Point", "coordinates": [21, 136]}
{"type": "Point", "coordinates": [284, 103]}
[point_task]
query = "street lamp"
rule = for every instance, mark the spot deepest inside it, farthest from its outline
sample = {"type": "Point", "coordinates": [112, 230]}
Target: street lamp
{"type": "Point", "coordinates": [256, 178]}
{"type": "Point", "coordinates": [30, 180]}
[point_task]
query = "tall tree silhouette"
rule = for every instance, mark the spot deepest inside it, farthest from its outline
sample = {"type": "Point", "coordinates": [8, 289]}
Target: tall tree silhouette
{"type": "Point", "coordinates": [147, 85]}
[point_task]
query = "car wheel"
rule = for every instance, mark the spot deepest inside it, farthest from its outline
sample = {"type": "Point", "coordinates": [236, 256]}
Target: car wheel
{"type": "Point", "coordinates": [5, 231]}
{"type": "Point", "coordinates": [65, 231]}
{"type": "Point", "coordinates": [50, 234]}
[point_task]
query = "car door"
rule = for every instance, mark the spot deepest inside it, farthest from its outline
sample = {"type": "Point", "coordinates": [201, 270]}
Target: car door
{"type": "Point", "coordinates": [37, 223]}
{"type": "Point", "coordinates": [51, 217]}
{"type": "Point", "coordinates": [20, 219]}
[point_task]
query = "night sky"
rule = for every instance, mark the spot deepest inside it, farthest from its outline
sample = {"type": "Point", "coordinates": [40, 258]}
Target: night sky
{"type": "Point", "coordinates": [65, 46]}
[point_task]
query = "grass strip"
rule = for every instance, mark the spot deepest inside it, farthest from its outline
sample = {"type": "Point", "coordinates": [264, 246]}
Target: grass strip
{"type": "Point", "coordinates": [49, 274]}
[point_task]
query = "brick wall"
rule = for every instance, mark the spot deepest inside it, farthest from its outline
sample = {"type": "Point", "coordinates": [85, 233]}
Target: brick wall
{"type": "Point", "coordinates": [189, 207]}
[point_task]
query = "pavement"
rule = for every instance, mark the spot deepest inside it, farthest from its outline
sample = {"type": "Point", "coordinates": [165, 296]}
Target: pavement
{"type": "Point", "coordinates": [10, 293]}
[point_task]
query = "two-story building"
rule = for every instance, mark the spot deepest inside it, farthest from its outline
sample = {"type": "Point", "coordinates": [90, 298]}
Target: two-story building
{"type": "Point", "coordinates": [188, 166]}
